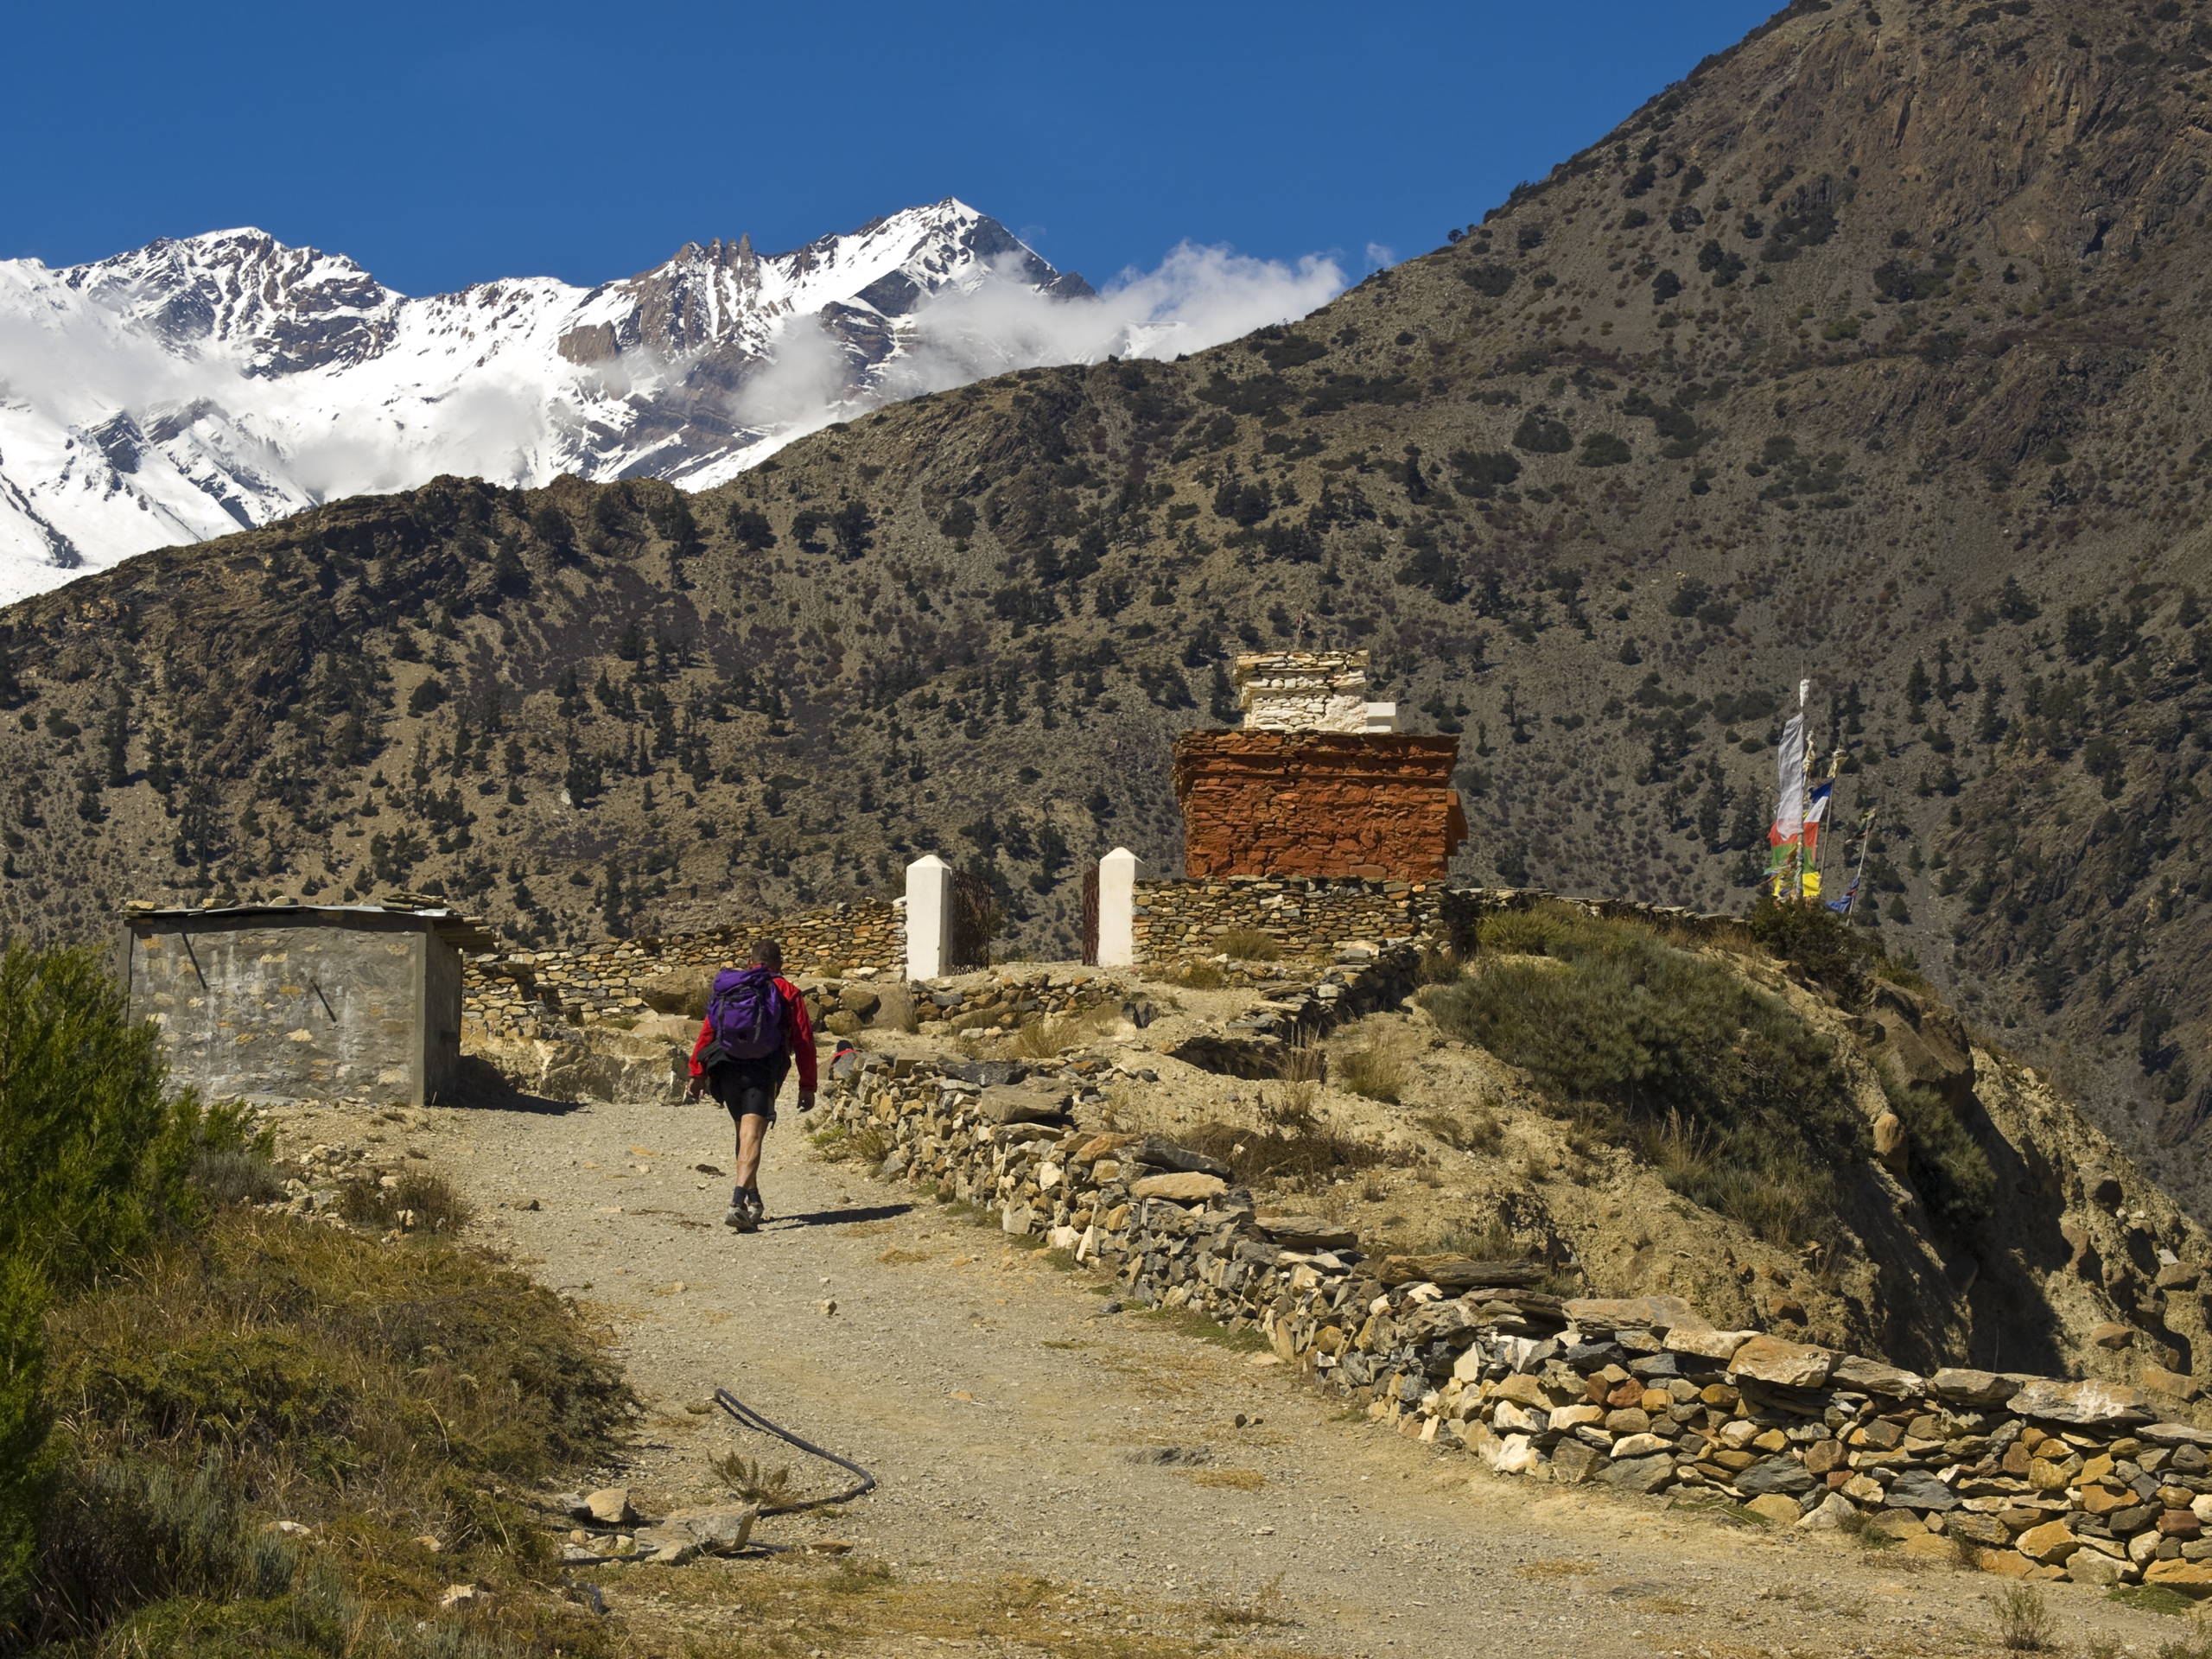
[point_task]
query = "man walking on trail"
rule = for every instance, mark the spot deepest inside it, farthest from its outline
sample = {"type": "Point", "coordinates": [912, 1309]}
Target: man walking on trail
{"type": "Point", "coordinates": [756, 1025]}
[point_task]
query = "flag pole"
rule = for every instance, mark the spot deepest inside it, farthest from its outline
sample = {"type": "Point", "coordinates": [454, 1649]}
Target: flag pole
{"type": "Point", "coordinates": [1866, 845]}
{"type": "Point", "coordinates": [1803, 691]}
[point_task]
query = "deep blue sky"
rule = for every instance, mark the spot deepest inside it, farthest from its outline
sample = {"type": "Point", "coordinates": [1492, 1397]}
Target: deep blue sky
{"type": "Point", "coordinates": [445, 145]}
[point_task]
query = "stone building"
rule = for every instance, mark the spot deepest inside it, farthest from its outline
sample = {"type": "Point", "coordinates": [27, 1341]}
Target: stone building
{"type": "Point", "coordinates": [290, 1001]}
{"type": "Point", "coordinates": [1319, 781]}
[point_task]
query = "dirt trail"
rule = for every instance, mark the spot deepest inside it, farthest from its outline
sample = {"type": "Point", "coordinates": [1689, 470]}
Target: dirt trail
{"type": "Point", "coordinates": [1003, 1410]}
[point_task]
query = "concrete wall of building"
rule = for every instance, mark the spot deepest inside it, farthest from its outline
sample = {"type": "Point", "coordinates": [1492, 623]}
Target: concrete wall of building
{"type": "Point", "coordinates": [439, 1060]}
{"type": "Point", "coordinates": [325, 1005]}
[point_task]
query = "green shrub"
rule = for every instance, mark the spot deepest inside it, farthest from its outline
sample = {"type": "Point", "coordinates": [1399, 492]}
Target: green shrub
{"type": "Point", "coordinates": [1738, 1101]}
{"type": "Point", "coordinates": [93, 1160]}
{"type": "Point", "coordinates": [1947, 1166]}
{"type": "Point", "coordinates": [1813, 938]}
{"type": "Point", "coordinates": [1438, 965]}
{"type": "Point", "coordinates": [1513, 933]}
{"type": "Point", "coordinates": [92, 1157]}
{"type": "Point", "coordinates": [25, 1420]}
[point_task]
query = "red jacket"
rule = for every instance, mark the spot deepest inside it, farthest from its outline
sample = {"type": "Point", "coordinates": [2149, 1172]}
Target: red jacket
{"type": "Point", "coordinates": [798, 1037]}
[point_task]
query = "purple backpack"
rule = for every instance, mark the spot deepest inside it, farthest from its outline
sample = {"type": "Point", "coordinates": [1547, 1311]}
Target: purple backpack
{"type": "Point", "coordinates": [747, 1013]}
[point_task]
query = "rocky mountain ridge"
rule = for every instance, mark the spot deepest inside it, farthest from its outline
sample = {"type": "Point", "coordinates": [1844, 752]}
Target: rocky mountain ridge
{"type": "Point", "coordinates": [202, 384]}
{"type": "Point", "coordinates": [1868, 356]}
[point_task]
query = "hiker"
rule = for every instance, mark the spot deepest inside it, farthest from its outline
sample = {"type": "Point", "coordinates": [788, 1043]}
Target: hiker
{"type": "Point", "coordinates": [756, 1024]}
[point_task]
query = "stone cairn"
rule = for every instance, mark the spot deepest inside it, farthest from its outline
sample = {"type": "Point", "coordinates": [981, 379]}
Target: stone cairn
{"type": "Point", "coordinates": [2027, 1476]}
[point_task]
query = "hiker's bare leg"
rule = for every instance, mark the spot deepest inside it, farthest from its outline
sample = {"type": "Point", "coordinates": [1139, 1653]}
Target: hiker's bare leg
{"type": "Point", "coordinates": [750, 1128]}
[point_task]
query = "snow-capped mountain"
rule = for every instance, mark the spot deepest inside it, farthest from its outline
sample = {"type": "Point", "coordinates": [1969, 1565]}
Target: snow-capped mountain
{"type": "Point", "coordinates": [196, 386]}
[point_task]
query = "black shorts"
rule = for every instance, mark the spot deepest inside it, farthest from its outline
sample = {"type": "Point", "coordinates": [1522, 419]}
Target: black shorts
{"type": "Point", "coordinates": [749, 1088]}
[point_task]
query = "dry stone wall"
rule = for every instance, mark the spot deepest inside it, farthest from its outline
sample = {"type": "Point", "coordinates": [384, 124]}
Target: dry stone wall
{"type": "Point", "coordinates": [521, 993]}
{"type": "Point", "coordinates": [2030, 1477]}
{"type": "Point", "coordinates": [992, 1004]}
{"type": "Point", "coordinates": [1305, 917]}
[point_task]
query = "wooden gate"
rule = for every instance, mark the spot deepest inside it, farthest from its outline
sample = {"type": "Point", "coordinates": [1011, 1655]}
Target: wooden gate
{"type": "Point", "coordinates": [1090, 916]}
{"type": "Point", "coordinates": [972, 924]}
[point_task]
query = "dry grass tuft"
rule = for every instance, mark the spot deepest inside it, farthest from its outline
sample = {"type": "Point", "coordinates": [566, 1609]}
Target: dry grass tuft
{"type": "Point", "coordinates": [1440, 966]}
{"type": "Point", "coordinates": [1250, 945]}
{"type": "Point", "coordinates": [753, 1482]}
{"type": "Point", "coordinates": [1297, 1146]}
{"type": "Point", "coordinates": [1043, 1039]}
{"type": "Point", "coordinates": [1556, 1569]}
{"type": "Point", "coordinates": [1382, 1067]}
{"type": "Point", "coordinates": [421, 1203]}
{"type": "Point", "coordinates": [1303, 1061]}
{"type": "Point", "coordinates": [1264, 1607]}
{"type": "Point", "coordinates": [279, 1368]}
{"type": "Point", "coordinates": [2025, 1623]}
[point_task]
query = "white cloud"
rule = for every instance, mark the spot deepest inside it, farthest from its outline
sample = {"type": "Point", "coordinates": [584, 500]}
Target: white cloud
{"type": "Point", "coordinates": [1198, 296]}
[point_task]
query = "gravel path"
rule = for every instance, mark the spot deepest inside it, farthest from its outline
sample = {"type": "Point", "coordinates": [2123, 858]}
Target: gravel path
{"type": "Point", "coordinates": [1015, 1425]}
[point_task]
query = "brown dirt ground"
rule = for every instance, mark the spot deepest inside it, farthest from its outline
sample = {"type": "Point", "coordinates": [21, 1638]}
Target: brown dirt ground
{"type": "Point", "coordinates": [1003, 1409]}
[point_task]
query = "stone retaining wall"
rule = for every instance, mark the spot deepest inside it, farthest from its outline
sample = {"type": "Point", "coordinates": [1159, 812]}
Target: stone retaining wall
{"type": "Point", "coordinates": [1187, 919]}
{"type": "Point", "coordinates": [2023, 1476]}
{"type": "Point", "coordinates": [1184, 921]}
{"type": "Point", "coordinates": [517, 994]}
{"type": "Point", "coordinates": [992, 1004]}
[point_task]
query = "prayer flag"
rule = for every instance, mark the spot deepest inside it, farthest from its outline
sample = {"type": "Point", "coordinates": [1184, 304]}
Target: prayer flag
{"type": "Point", "coordinates": [1789, 761]}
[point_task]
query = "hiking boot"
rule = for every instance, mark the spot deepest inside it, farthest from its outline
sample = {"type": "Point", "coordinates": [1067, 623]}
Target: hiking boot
{"type": "Point", "coordinates": [755, 1211]}
{"type": "Point", "coordinates": [740, 1214]}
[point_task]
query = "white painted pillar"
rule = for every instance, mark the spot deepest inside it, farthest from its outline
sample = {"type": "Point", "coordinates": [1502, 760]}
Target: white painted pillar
{"type": "Point", "coordinates": [1119, 872]}
{"type": "Point", "coordinates": [929, 917]}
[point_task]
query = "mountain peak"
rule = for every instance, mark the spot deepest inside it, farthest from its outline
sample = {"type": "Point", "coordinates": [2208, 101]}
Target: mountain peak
{"type": "Point", "coordinates": [270, 377]}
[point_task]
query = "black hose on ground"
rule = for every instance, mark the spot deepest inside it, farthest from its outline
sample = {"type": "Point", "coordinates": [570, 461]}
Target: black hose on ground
{"type": "Point", "coordinates": [748, 1418]}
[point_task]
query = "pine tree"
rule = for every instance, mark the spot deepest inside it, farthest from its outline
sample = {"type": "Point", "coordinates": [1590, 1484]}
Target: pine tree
{"type": "Point", "coordinates": [115, 736]}
{"type": "Point", "coordinates": [1915, 685]}
{"type": "Point", "coordinates": [612, 898]}
{"type": "Point", "coordinates": [1711, 807]}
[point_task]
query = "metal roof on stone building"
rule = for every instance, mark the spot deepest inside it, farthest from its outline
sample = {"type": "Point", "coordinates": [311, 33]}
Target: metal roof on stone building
{"type": "Point", "coordinates": [456, 928]}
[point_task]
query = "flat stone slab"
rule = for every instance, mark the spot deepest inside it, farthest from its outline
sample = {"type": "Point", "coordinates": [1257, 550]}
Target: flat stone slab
{"type": "Point", "coordinates": [1871, 1376]}
{"type": "Point", "coordinates": [1653, 1314]}
{"type": "Point", "coordinates": [721, 1529]}
{"type": "Point", "coordinates": [2174, 1434]}
{"type": "Point", "coordinates": [1915, 1488]}
{"type": "Point", "coordinates": [1972, 1387]}
{"type": "Point", "coordinates": [1786, 1364]}
{"type": "Point", "coordinates": [1005, 1104]}
{"type": "Point", "coordinates": [2085, 1404]}
{"type": "Point", "coordinates": [1307, 1232]}
{"type": "Point", "coordinates": [1182, 1186]}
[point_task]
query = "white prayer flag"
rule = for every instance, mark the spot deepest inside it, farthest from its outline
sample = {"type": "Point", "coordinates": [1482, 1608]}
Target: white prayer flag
{"type": "Point", "coordinates": [1789, 815]}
